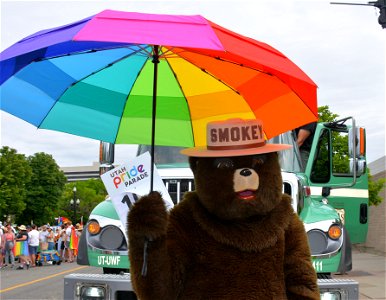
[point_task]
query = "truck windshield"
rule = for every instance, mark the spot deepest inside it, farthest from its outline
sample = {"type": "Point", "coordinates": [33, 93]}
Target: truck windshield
{"type": "Point", "coordinates": [167, 156]}
{"type": "Point", "coordinates": [289, 159]}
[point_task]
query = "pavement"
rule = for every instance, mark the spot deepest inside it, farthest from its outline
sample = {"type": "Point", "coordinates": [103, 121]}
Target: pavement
{"type": "Point", "coordinates": [369, 271]}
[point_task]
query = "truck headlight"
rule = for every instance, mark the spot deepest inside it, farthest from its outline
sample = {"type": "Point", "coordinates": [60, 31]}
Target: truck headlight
{"type": "Point", "coordinates": [335, 232]}
{"type": "Point", "coordinates": [330, 295]}
{"type": "Point", "coordinates": [92, 293]}
{"type": "Point", "coordinates": [93, 227]}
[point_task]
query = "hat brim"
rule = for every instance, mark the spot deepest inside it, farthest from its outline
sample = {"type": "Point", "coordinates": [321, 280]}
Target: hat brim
{"type": "Point", "coordinates": [204, 152]}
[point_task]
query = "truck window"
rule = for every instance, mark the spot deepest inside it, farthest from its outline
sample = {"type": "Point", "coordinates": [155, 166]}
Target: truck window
{"type": "Point", "coordinates": [340, 153]}
{"type": "Point", "coordinates": [166, 155]}
{"type": "Point", "coordinates": [289, 160]}
{"type": "Point", "coordinates": [320, 172]}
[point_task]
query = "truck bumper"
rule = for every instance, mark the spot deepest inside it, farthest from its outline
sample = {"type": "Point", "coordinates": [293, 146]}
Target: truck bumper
{"type": "Point", "coordinates": [338, 289]}
{"type": "Point", "coordinates": [98, 287]}
{"type": "Point", "coordinates": [113, 286]}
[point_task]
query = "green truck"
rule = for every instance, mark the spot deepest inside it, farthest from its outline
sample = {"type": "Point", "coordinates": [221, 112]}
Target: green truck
{"type": "Point", "coordinates": [330, 194]}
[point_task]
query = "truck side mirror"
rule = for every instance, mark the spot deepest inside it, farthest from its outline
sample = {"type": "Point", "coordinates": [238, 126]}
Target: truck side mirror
{"type": "Point", "coordinates": [106, 157]}
{"type": "Point", "coordinates": [358, 162]}
{"type": "Point", "coordinates": [360, 166]}
{"type": "Point", "coordinates": [359, 143]}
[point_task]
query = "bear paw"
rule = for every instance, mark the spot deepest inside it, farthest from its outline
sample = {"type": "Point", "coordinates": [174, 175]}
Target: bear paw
{"type": "Point", "coordinates": [148, 217]}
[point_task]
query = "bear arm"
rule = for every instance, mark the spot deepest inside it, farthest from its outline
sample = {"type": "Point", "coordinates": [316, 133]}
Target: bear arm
{"type": "Point", "coordinates": [164, 268]}
{"type": "Point", "coordinates": [147, 220]}
{"type": "Point", "coordinates": [300, 275]}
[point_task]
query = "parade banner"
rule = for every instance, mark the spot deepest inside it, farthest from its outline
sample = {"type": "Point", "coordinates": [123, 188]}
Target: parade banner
{"type": "Point", "coordinates": [126, 183]}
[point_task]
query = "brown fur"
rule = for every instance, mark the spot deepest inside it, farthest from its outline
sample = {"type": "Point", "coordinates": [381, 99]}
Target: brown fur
{"type": "Point", "coordinates": [214, 245]}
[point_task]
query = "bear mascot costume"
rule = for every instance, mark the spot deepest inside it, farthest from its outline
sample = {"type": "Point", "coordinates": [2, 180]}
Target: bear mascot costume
{"type": "Point", "coordinates": [235, 237]}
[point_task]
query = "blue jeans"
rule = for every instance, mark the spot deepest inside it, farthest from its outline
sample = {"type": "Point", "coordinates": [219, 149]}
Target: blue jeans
{"type": "Point", "coordinates": [9, 253]}
{"type": "Point", "coordinates": [51, 246]}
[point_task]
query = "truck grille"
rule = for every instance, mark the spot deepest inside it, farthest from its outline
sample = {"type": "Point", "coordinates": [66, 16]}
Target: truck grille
{"type": "Point", "coordinates": [178, 187]}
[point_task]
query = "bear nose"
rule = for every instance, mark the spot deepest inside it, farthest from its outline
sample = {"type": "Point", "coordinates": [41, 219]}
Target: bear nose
{"type": "Point", "coordinates": [245, 172]}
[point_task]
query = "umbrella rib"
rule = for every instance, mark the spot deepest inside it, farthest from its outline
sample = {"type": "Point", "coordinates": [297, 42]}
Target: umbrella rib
{"type": "Point", "coordinates": [81, 79]}
{"type": "Point", "coordinates": [226, 61]}
{"type": "Point", "coordinates": [183, 93]}
{"type": "Point", "coordinates": [210, 74]}
{"type": "Point", "coordinates": [241, 65]}
{"type": "Point", "coordinates": [127, 98]}
{"type": "Point", "coordinates": [84, 52]}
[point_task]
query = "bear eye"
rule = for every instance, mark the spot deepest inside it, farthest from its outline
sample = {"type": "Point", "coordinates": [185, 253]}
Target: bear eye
{"type": "Point", "coordinates": [258, 160]}
{"type": "Point", "coordinates": [223, 163]}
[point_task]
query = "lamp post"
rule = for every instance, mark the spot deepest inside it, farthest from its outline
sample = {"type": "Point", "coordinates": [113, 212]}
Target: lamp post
{"type": "Point", "coordinates": [74, 203]}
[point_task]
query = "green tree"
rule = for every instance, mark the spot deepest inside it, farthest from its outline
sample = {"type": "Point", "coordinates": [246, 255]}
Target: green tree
{"type": "Point", "coordinates": [375, 187]}
{"type": "Point", "coordinates": [325, 115]}
{"type": "Point", "coordinates": [44, 190]}
{"type": "Point", "coordinates": [90, 193]}
{"type": "Point", "coordinates": [15, 175]}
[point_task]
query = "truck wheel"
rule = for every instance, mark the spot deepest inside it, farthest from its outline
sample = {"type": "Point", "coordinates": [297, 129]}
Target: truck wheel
{"type": "Point", "coordinates": [346, 258]}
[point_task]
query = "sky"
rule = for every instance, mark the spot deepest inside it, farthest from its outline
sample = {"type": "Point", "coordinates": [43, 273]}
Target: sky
{"type": "Point", "coordinates": [340, 47]}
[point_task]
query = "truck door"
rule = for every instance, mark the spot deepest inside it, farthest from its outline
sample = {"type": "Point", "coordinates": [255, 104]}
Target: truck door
{"type": "Point", "coordinates": [331, 165]}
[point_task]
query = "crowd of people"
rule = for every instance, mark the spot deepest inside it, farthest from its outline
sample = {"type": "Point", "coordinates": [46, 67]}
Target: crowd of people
{"type": "Point", "coordinates": [21, 246]}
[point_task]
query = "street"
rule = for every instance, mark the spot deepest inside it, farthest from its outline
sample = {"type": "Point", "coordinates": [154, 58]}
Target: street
{"type": "Point", "coordinates": [369, 271]}
{"type": "Point", "coordinates": [46, 282]}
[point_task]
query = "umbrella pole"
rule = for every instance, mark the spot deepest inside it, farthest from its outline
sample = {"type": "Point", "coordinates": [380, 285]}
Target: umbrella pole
{"type": "Point", "coordinates": [155, 61]}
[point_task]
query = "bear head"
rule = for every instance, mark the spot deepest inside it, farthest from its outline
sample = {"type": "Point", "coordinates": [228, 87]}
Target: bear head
{"type": "Point", "coordinates": [238, 187]}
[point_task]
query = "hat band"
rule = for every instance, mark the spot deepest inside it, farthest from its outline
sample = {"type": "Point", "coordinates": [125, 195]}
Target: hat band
{"type": "Point", "coordinates": [236, 147]}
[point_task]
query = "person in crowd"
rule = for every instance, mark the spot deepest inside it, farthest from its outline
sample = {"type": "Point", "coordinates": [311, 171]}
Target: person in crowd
{"type": "Point", "coordinates": [69, 253]}
{"type": "Point", "coordinates": [23, 257]}
{"type": "Point", "coordinates": [33, 243]}
{"type": "Point", "coordinates": [43, 238]}
{"type": "Point", "coordinates": [304, 137]}
{"type": "Point", "coordinates": [62, 241]}
{"type": "Point", "coordinates": [9, 243]}
{"type": "Point", "coordinates": [79, 230]}
{"type": "Point", "coordinates": [50, 239]}
{"type": "Point", "coordinates": [57, 239]}
{"type": "Point", "coordinates": [2, 230]}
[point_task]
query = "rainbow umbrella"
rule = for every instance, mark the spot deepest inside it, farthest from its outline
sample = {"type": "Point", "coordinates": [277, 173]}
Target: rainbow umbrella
{"type": "Point", "coordinates": [135, 78]}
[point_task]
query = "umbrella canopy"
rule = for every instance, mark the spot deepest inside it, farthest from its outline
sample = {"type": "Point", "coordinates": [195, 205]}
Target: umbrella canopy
{"type": "Point", "coordinates": [100, 77]}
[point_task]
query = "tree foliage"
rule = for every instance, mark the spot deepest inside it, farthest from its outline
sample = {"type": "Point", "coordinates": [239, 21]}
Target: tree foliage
{"type": "Point", "coordinates": [44, 189]}
{"type": "Point", "coordinates": [15, 175]}
{"type": "Point", "coordinates": [325, 115]}
{"type": "Point", "coordinates": [375, 187]}
{"type": "Point", "coordinates": [90, 193]}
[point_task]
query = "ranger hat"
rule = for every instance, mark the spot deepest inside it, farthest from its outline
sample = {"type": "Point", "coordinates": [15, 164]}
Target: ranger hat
{"type": "Point", "coordinates": [234, 137]}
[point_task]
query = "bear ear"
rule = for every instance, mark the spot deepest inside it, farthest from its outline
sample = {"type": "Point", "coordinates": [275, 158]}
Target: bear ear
{"type": "Point", "coordinates": [193, 163]}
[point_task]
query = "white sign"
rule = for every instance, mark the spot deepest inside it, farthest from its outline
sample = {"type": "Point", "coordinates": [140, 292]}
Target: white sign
{"type": "Point", "coordinates": [126, 183]}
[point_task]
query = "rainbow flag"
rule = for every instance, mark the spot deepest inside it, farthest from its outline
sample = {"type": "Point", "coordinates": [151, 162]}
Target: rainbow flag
{"type": "Point", "coordinates": [20, 248]}
{"type": "Point", "coordinates": [62, 220]}
{"type": "Point", "coordinates": [74, 240]}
